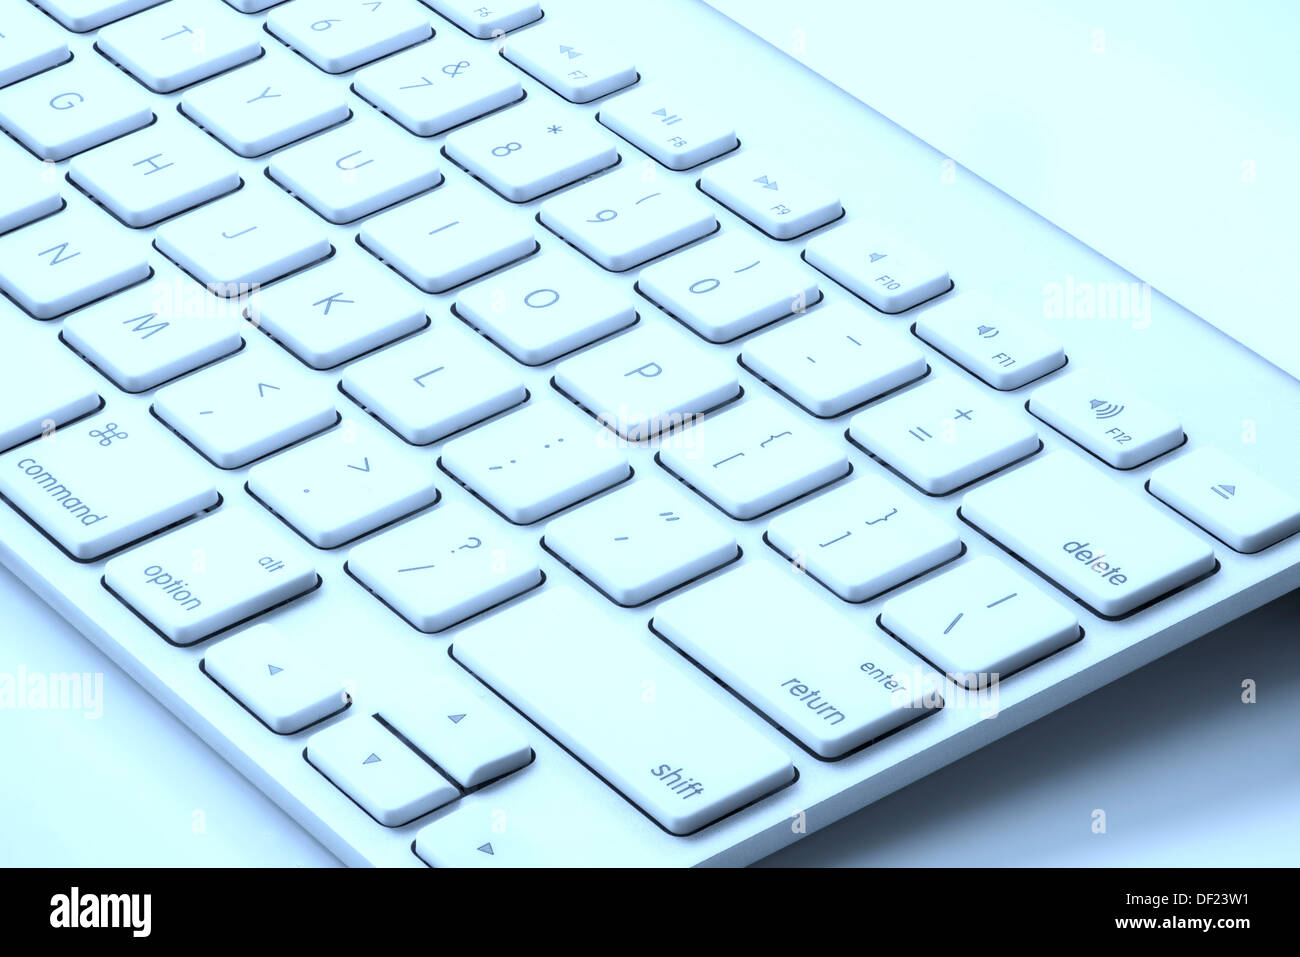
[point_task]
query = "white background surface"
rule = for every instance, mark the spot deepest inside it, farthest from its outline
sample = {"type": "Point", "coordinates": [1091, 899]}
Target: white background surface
{"type": "Point", "coordinates": [1186, 773]}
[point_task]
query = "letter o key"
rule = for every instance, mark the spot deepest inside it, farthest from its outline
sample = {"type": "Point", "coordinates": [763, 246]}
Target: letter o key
{"type": "Point", "coordinates": [546, 297]}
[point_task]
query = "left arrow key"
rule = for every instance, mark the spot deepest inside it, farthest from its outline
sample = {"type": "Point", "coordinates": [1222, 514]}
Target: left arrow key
{"type": "Point", "coordinates": [286, 697]}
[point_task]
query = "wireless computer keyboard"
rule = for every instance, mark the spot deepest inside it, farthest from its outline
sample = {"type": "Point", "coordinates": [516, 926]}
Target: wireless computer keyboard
{"type": "Point", "coordinates": [530, 438]}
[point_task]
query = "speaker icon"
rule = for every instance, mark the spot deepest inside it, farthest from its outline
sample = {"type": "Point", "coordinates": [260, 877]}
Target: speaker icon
{"type": "Point", "coordinates": [1105, 410]}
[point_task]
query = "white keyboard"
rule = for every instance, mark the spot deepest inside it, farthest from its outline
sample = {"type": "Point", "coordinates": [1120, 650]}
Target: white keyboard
{"type": "Point", "coordinates": [509, 449]}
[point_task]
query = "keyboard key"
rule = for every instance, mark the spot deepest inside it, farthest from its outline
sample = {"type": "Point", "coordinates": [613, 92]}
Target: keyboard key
{"type": "Point", "coordinates": [83, 488]}
{"type": "Point", "coordinates": [355, 170]}
{"type": "Point", "coordinates": [1107, 419]}
{"type": "Point", "coordinates": [647, 382]}
{"type": "Point", "coordinates": [371, 765]}
{"type": "Point", "coordinates": [264, 106]}
{"type": "Point", "coordinates": [155, 332]}
{"type": "Point", "coordinates": [1093, 538]}
{"type": "Point", "coordinates": [668, 124]}
{"type": "Point", "coordinates": [456, 728]}
{"type": "Point", "coordinates": [483, 21]}
{"type": "Point", "coordinates": [66, 111]}
{"type": "Point", "coordinates": [65, 261]}
{"type": "Point", "coordinates": [337, 311]}
{"type": "Point", "coordinates": [211, 574]}
{"type": "Point", "coordinates": [243, 409]}
{"type": "Point", "coordinates": [447, 238]}
{"type": "Point", "coordinates": [242, 242]}
{"type": "Point", "coordinates": [437, 86]}
{"type": "Point", "coordinates": [178, 44]}
{"type": "Point", "coordinates": [82, 16]}
{"type": "Point", "coordinates": [641, 541]}
{"type": "Point", "coordinates": [727, 287]}
{"type": "Point", "coordinates": [943, 435]}
{"type": "Point", "coordinates": [833, 359]}
{"type": "Point", "coordinates": [435, 384]}
{"type": "Point", "coordinates": [148, 176]}
{"type": "Point", "coordinates": [530, 150]}
{"type": "Point", "coordinates": [681, 757]}
{"type": "Point", "coordinates": [760, 188]}
{"type": "Point", "coordinates": [621, 221]}
{"type": "Point", "coordinates": [1241, 509]}
{"type": "Point", "coordinates": [987, 340]}
{"type": "Point", "coordinates": [874, 265]}
{"type": "Point", "coordinates": [980, 622]}
{"type": "Point", "coordinates": [754, 458]}
{"type": "Point", "coordinates": [340, 35]}
{"type": "Point", "coordinates": [545, 307]}
{"type": "Point", "coordinates": [579, 68]}
{"type": "Point", "coordinates": [252, 6]}
{"type": "Point", "coordinates": [534, 462]}
{"type": "Point", "coordinates": [471, 835]}
{"type": "Point", "coordinates": [863, 538]}
{"type": "Point", "coordinates": [444, 567]}
{"type": "Point", "coordinates": [38, 397]}
{"type": "Point", "coordinates": [34, 192]}
{"type": "Point", "coordinates": [276, 675]}
{"type": "Point", "coordinates": [29, 43]}
{"type": "Point", "coordinates": [342, 485]}
{"type": "Point", "coordinates": [834, 689]}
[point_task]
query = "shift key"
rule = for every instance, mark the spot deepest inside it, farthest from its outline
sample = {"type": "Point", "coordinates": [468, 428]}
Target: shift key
{"type": "Point", "coordinates": [626, 712]}
{"type": "Point", "coordinates": [1095, 539]}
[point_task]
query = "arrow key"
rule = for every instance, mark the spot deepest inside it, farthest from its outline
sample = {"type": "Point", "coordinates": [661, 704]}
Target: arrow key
{"type": "Point", "coordinates": [273, 676]}
{"type": "Point", "coordinates": [459, 732]}
{"type": "Point", "coordinates": [371, 765]}
{"type": "Point", "coordinates": [477, 835]}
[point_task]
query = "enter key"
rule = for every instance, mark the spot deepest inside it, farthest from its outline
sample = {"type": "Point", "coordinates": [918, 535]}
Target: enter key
{"type": "Point", "coordinates": [1095, 539]}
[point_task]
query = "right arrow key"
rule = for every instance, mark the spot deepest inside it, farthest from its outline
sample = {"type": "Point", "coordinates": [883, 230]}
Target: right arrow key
{"type": "Point", "coordinates": [1240, 509]}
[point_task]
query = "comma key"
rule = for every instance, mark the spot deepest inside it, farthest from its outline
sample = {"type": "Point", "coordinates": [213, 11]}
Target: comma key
{"type": "Point", "coordinates": [209, 575]}
{"type": "Point", "coordinates": [103, 483]}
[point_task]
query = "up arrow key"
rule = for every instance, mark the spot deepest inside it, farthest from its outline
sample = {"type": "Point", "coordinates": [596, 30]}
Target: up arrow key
{"type": "Point", "coordinates": [373, 759]}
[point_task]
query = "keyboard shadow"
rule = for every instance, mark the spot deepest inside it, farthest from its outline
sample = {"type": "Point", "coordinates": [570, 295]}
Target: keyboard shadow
{"type": "Point", "coordinates": [1184, 770]}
